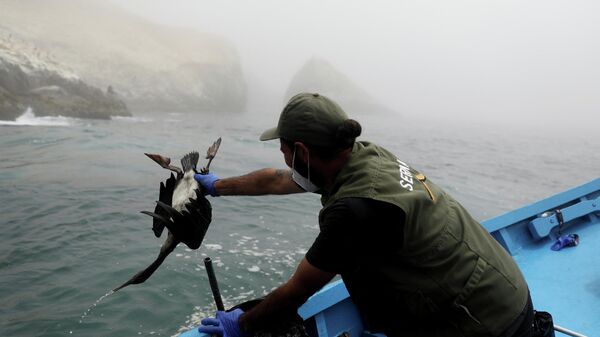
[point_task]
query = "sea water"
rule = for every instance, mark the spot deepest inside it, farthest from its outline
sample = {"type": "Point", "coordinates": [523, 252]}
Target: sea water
{"type": "Point", "coordinates": [87, 312]}
{"type": "Point", "coordinates": [71, 192]}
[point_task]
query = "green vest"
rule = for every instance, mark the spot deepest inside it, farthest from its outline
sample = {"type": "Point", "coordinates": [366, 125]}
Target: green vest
{"type": "Point", "coordinates": [448, 267]}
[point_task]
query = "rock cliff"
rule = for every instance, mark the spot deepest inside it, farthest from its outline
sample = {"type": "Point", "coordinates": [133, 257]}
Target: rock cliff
{"type": "Point", "coordinates": [29, 78]}
{"type": "Point", "coordinates": [152, 67]}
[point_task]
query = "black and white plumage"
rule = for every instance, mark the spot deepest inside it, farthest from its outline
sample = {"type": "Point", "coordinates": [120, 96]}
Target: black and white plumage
{"type": "Point", "coordinates": [181, 207]}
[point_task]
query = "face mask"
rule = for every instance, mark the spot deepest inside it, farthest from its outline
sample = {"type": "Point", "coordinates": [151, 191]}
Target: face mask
{"type": "Point", "coordinates": [302, 181]}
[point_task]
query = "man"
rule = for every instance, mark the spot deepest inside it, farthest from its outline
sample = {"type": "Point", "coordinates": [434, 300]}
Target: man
{"type": "Point", "coordinates": [414, 261]}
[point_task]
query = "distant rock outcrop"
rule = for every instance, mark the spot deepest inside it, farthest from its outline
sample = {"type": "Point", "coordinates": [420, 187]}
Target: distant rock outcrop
{"type": "Point", "coordinates": [318, 75]}
{"type": "Point", "coordinates": [10, 106]}
{"type": "Point", "coordinates": [28, 79]}
{"type": "Point", "coordinates": [152, 67]}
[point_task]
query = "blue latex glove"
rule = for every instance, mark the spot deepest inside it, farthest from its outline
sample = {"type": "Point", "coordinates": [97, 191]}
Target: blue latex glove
{"type": "Point", "coordinates": [567, 240]}
{"type": "Point", "coordinates": [226, 324]}
{"type": "Point", "coordinates": [208, 183]}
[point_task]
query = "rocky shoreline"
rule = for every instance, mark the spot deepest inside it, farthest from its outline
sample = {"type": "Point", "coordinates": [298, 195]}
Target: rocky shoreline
{"type": "Point", "coordinates": [30, 79]}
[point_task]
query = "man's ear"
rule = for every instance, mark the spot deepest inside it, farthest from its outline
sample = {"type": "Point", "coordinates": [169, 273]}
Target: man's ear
{"type": "Point", "coordinates": [302, 151]}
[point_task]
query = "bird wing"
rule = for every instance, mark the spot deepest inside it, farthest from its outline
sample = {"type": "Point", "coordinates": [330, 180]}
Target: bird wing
{"type": "Point", "coordinates": [164, 162]}
{"type": "Point", "coordinates": [210, 154]}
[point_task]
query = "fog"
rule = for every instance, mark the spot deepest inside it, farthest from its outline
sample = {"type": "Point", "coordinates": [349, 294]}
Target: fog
{"type": "Point", "coordinates": [516, 61]}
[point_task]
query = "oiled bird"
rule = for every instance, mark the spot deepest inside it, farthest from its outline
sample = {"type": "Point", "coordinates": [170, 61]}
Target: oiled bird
{"type": "Point", "coordinates": [182, 208]}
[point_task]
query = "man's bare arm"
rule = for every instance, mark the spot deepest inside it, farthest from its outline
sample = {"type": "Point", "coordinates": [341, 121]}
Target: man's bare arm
{"type": "Point", "coordinates": [261, 182]}
{"type": "Point", "coordinates": [286, 299]}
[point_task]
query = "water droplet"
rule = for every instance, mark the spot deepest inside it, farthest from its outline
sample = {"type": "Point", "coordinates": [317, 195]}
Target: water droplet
{"type": "Point", "coordinates": [94, 305]}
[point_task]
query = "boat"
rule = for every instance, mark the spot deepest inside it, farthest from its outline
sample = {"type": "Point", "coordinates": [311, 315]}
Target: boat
{"type": "Point", "coordinates": [565, 282]}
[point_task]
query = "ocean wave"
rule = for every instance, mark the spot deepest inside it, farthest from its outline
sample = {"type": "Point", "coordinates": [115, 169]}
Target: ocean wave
{"type": "Point", "coordinates": [130, 119]}
{"type": "Point", "coordinates": [28, 118]}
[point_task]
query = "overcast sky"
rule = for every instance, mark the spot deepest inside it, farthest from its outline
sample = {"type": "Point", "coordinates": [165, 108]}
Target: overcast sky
{"type": "Point", "coordinates": [522, 60]}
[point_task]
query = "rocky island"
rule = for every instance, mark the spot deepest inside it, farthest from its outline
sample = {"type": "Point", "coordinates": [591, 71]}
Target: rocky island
{"type": "Point", "coordinates": [319, 75]}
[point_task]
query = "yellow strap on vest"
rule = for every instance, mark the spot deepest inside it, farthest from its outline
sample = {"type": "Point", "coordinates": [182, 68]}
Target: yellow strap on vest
{"type": "Point", "coordinates": [421, 177]}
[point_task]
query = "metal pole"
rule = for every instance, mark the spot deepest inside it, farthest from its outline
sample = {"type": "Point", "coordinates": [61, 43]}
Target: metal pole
{"type": "Point", "coordinates": [214, 286]}
{"type": "Point", "coordinates": [567, 331]}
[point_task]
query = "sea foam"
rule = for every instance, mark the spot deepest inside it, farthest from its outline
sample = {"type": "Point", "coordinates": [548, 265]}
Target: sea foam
{"type": "Point", "coordinates": [28, 118]}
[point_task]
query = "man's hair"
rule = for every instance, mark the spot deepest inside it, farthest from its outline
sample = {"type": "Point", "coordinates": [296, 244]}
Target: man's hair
{"type": "Point", "coordinates": [345, 137]}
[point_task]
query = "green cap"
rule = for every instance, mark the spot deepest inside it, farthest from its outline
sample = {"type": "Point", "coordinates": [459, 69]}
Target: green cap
{"type": "Point", "coordinates": [310, 118]}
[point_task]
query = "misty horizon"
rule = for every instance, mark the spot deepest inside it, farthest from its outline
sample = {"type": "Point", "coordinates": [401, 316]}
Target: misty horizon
{"type": "Point", "coordinates": [500, 60]}
{"type": "Point", "coordinates": [503, 62]}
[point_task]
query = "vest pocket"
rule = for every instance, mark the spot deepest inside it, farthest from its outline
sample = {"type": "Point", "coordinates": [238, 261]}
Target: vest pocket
{"type": "Point", "coordinates": [472, 282]}
{"type": "Point", "coordinates": [460, 310]}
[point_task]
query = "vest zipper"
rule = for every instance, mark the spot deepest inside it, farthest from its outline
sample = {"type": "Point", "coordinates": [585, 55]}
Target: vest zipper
{"type": "Point", "coordinates": [420, 177]}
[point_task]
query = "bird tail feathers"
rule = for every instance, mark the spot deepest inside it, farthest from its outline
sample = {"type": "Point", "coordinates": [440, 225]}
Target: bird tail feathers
{"type": "Point", "coordinates": [189, 161]}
